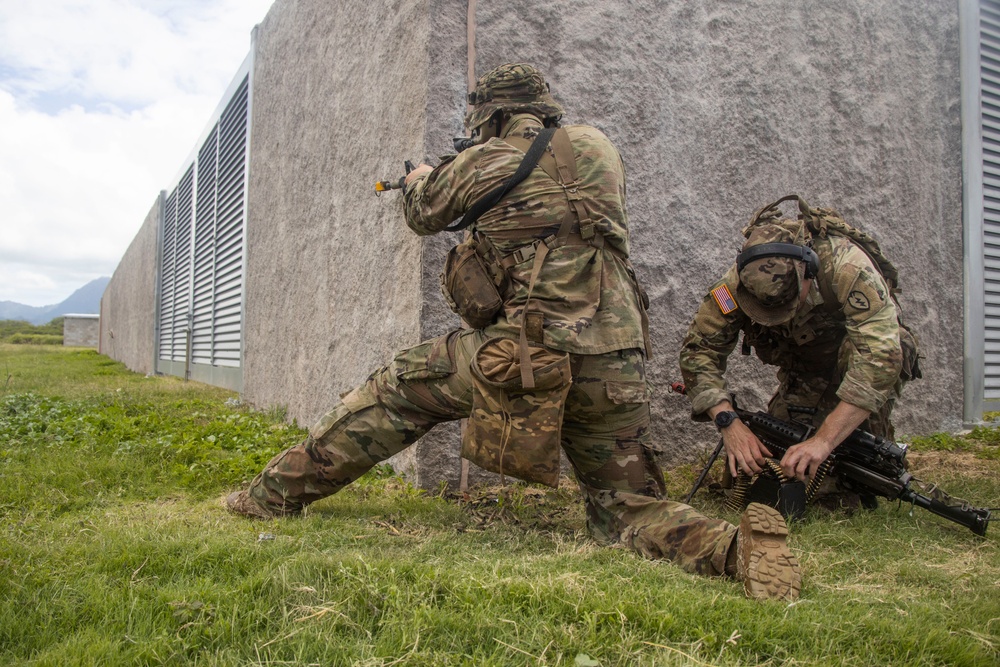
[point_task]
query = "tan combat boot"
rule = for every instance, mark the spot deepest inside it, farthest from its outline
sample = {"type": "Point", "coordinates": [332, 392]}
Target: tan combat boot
{"type": "Point", "coordinates": [240, 502]}
{"type": "Point", "coordinates": [763, 561]}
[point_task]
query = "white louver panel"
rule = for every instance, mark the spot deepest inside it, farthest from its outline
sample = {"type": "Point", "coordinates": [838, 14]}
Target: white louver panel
{"type": "Point", "coordinates": [228, 279]}
{"type": "Point", "coordinates": [168, 279]}
{"type": "Point", "coordinates": [175, 291]}
{"type": "Point", "coordinates": [201, 277]}
{"type": "Point", "coordinates": [989, 58]}
{"type": "Point", "coordinates": [204, 251]}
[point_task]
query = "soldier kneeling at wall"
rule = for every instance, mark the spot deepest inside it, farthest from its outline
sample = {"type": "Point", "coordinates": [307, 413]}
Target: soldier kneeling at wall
{"type": "Point", "coordinates": [814, 297]}
{"type": "Point", "coordinates": [555, 356]}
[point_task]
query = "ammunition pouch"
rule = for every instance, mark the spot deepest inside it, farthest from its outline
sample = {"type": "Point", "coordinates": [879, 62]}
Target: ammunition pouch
{"type": "Point", "coordinates": [472, 285]}
{"type": "Point", "coordinates": [512, 430]}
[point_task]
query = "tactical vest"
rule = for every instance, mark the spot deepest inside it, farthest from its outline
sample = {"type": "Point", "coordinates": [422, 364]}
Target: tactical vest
{"type": "Point", "coordinates": [491, 268]}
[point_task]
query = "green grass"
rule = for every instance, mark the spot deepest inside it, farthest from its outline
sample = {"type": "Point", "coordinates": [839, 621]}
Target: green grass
{"type": "Point", "coordinates": [114, 550]}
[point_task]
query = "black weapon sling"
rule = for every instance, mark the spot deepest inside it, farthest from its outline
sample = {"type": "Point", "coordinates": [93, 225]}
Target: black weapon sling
{"type": "Point", "coordinates": [493, 197]}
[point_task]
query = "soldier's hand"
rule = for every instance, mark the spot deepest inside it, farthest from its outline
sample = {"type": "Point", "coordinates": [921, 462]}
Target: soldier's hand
{"type": "Point", "coordinates": [802, 460]}
{"type": "Point", "coordinates": [418, 171]}
{"type": "Point", "coordinates": [743, 450]}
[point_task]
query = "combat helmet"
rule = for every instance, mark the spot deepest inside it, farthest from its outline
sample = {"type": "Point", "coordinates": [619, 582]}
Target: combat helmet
{"type": "Point", "coordinates": [773, 262]}
{"type": "Point", "coordinates": [512, 88]}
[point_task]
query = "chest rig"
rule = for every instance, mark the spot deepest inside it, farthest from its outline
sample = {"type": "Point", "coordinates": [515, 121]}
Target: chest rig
{"type": "Point", "coordinates": [577, 228]}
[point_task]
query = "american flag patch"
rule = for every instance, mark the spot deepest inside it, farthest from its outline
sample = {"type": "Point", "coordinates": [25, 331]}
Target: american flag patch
{"type": "Point", "coordinates": [724, 298]}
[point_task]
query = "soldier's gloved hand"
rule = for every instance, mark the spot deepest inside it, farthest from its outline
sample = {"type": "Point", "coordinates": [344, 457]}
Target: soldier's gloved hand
{"type": "Point", "coordinates": [743, 450]}
{"type": "Point", "coordinates": [802, 460]}
{"type": "Point", "coordinates": [417, 172]}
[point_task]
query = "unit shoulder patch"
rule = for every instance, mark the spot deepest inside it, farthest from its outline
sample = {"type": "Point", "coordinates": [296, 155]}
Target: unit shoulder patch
{"type": "Point", "coordinates": [866, 296]}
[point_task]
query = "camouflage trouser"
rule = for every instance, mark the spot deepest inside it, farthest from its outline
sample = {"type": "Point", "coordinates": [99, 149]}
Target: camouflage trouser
{"type": "Point", "coordinates": [606, 440]}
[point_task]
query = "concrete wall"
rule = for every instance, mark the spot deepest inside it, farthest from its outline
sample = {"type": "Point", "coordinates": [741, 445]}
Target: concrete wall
{"type": "Point", "coordinates": [332, 281]}
{"type": "Point", "coordinates": [720, 107]}
{"type": "Point", "coordinates": [128, 306]}
{"type": "Point", "coordinates": [717, 107]}
{"type": "Point", "coordinates": [81, 330]}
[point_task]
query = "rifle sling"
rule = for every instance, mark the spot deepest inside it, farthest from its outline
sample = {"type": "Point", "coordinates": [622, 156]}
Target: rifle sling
{"type": "Point", "coordinates": [491, 198]}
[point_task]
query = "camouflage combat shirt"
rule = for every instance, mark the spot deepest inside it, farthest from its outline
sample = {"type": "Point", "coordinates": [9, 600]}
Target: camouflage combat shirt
{"type": "Point", "coordinates": [587, 295]}
{"type": "Point", "coordinates": [857, 334]}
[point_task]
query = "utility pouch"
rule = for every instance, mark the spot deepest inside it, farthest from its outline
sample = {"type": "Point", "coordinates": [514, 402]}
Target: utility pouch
{"type": "Point", "coordinates": [911, 354]}
{"type": "Point", "coordinates": [512, 430]}
{"type": "Point", "coordinates": [468, 287]}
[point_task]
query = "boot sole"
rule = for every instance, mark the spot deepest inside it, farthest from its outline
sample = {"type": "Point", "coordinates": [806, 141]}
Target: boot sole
{"type": "Point", "coordinates": [769, 569]}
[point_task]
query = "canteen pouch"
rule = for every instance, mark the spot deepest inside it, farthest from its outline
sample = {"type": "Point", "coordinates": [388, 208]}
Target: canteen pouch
{"type": "Point", "coordinates": [514, 431]}
{"type": "Point", "coordinates": [468, 287]}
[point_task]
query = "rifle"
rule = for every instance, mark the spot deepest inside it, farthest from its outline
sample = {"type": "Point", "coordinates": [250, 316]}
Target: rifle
{"type": "Point", "coordinates": [382, 186]}
{"type": "Point", "coordinates": [868, 464]}
{"type": "Point", "coordinates": [460, 144]}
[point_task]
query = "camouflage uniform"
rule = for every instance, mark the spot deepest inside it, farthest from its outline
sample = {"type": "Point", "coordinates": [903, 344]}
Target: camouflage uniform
{"type": "Point", "coordinates": [591, 308]}
{"type": "Point", "coordinates": [842, 344]}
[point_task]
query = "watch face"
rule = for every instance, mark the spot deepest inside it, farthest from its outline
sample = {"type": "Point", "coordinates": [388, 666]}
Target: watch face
{"type": "Point", "coordinates": [724, 419]}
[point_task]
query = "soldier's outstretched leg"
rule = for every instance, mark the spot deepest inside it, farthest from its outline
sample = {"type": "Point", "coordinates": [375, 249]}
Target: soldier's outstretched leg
{"type": "Point", "coordinates": [423, 386]}
{"type": "Point", "coordinates": [606, 438]}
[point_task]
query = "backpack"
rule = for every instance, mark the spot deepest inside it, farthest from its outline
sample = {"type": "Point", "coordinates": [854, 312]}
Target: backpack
{"type": "Point", "coordinates": [824, 222]}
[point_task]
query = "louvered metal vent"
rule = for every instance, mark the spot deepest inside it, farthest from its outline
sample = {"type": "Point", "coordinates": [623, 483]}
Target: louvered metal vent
{"type": "Point", "coordinates": [989, 59]}
{"type": "Point", "coordinates": [168, 278]}
{"type": "Point", "coordinates": [175, 292]}
{"type": "Point", "coordinates": [228, 278]}
{"type": "Point", "coordinates": [201, 268]}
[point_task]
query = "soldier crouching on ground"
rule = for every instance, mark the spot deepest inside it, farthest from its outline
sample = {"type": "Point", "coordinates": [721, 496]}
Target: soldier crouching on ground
{"type": "Point", "coordinates": [814, 297]}
{"type": "Point", "coordinates": [555, 356]}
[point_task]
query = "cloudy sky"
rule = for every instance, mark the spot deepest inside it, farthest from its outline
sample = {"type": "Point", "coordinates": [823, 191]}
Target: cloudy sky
{"type": "Point", "coordinates": [101, 101]}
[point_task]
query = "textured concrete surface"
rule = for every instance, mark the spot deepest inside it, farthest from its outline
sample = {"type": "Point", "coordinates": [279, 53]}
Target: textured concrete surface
{"type": "Point", "coordinates": [81, 330]}
{"type": "Point", "coordinates": [128, 306]}
{"type": "Point", "coordinates": [333, 276]}
{"type": "Point", "coordinates": [719, 108]}
{"type": "Point", "coordinates": [716, 108]}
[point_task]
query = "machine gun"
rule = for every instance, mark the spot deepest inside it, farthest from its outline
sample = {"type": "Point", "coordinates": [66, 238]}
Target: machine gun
{"type": "Point", "coordinates": [864, 463]}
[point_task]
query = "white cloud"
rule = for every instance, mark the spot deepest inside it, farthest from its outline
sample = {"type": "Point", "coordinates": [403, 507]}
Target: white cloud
{"type": "Point", "coordinates": [100, 103]}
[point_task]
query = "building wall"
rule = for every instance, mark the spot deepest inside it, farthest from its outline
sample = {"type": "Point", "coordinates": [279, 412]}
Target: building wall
{"type": "Point", "coordinates": [719, 108]}
{"type": "Point", "coordinates": [81, 330]}
{"type": "Point", "coordinates": [128, 307]}
{"type": "Point", "coordinates": [333, 276]}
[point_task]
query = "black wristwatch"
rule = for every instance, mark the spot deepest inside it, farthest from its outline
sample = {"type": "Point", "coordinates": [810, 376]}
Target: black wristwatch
{"type": "Point", "coordinates": [725, 418]}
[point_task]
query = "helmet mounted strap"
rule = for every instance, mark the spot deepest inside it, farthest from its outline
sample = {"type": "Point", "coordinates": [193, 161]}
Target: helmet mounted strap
{"type": "Point", "coordinates": [790, 250]}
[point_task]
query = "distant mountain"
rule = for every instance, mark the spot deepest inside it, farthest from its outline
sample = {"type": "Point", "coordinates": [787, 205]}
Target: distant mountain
{"type": "Point", "coordinates": [10, 310]}
{"type": "Point", "coordinates": [87, 299]}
